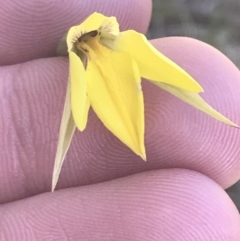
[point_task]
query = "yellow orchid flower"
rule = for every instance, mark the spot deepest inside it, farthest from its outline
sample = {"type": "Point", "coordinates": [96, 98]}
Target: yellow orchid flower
{"type": "Point", "coordinates": [106, 67]}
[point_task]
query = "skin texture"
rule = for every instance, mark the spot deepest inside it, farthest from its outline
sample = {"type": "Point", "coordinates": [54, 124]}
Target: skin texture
{"type": "Point", "coordinates": [177, 195]}
{"type": "Point", "coordinates": [145, 206]}
{"type": "Point", "coordinates": [35, 27]}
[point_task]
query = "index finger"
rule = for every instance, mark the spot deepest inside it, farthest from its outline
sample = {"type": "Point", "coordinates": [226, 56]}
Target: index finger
{"type": "Point", "coordinates": [32, 29]}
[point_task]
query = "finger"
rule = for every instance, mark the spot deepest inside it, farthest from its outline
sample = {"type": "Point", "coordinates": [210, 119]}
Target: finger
{"type": "Point", "coordinates": [176, 134]}
{"type": "Point", "coordinates": [162, 205]}
{"type": "Point", "coordinates": [33, 29]}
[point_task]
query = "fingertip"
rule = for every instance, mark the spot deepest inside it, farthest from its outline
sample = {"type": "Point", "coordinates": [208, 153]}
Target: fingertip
{"type": "Point", "coordinates": [35, 30]}
{"type": "Point", "coordinates": [191, 138]}
{"type": "Point", "coordinates": [173, 204]}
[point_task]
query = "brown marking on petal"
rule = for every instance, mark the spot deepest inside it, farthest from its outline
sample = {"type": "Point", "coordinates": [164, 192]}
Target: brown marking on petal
{"type": "Point", "coordinates": [82, 56]}
{"type": "Point", "coordinates": [88, 35]}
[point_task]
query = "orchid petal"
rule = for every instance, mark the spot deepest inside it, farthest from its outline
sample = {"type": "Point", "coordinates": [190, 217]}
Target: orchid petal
{"type": "Point", "coordinates": [152, 64]}
{"type": "Point", "coordinates": [108, 26]}
{"type": "Point", "coordinates": [114, 89]}
{"type": "Point", "coordinates": [79, 99]}
{"type": "Point", "coordinates": [196, 101]}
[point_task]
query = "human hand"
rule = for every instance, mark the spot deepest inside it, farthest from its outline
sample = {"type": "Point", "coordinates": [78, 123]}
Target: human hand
{"type": "Point", "coordinates": [158, 200]}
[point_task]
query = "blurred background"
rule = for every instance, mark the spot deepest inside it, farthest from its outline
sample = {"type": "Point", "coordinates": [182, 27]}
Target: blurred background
{"type": "Point", "coordinates": [216, 22]}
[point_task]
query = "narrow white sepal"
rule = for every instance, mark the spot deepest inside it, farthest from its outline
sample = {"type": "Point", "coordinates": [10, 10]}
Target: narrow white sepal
{"type": "Point", "coordinates": [67, 129]}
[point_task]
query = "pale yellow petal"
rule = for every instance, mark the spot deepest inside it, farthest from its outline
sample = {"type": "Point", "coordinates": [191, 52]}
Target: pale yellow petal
{"type": "Point", "coordinates": [152, 64]}
{"type": "Point", "coordinates": [79, 99]}
{"type": "Point", "coordinates": [67, 129]}
{"type": "Point", "coordinates": [109, 32]}
{"type": "Point", "coordinates": [115, 94]}
{"type": "Point", "coordinates": [107, 25]}
{"type": "Point", "coordinates": [196, 101]}
{"type": "Point", "coordinates": [93, 22]}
